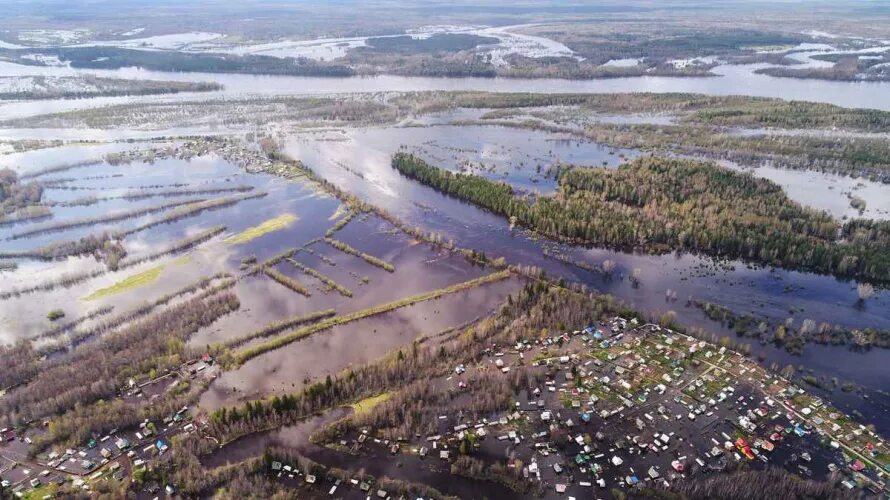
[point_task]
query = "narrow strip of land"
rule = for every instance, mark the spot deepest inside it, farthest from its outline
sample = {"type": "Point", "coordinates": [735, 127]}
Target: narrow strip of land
{"type": "Point", "coordinates": [241, 357]}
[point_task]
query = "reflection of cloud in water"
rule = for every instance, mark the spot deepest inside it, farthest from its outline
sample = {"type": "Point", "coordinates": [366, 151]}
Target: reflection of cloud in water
{"type": "Point", "coordinates": [37, 159]}
{"type": "Point", "coordinates": [352, 344]}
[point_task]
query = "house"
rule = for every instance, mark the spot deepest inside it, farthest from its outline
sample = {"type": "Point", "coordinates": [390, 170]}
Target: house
{"type": "Point", "coordinates": [122, 444]}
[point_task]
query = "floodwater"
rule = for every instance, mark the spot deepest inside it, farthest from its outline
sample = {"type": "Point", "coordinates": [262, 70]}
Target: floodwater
{"type": "Point", "coordinates": [297, 438]}
{"type": "Point", "coordinates": [361, 165]}
{"type": "Point", "coordinates": [288, 369]}
{"type": "Point", "coordinates": [526, 159]}
{"type": "Point", "coordinates": [418, 269]}
{"type": "Point", "coordinates": [732, 80]}
{"type": "Point", "coordinates": [25, 316]}
{"type": "Point", "coordinates": [829, 192]}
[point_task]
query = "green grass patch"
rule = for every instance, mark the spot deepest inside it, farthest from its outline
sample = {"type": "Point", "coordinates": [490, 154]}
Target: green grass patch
{"type": "Point", "coordinates": [287, 281]}
{"type": "Point", "coordinates": [44, 490]}
{"type": "Point", "coordinates": [271, 225]}
{"type": "Point", "coordinates": [278, 327]}
{"type": "Point", "coordinates": [364, 406]}
{"type": "Point", "coordinates": [331, 284]}
{"type": "Point", "coordinates": [144, 278]}
{"type": "Point", "coordinates": [370, 259]}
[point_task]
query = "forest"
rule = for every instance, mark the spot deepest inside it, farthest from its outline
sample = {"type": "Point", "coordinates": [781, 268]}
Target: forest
{"type": "Point", "coordinates": [733, 111]}
{"type": "Point", "coordinates": [42, 87]}
{"type": "Point", "coordinates": [440, 42]}
{"type": "Point", "coordinates": [661, 204]}
{"type": "Point", "coordinates": [15, 195]}
{"type": "Point", "coordinates": [116, 58]}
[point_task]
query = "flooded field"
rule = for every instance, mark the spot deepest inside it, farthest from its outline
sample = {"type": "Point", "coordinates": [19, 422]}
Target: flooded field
{"type": "Point", "coordinates": [360, 163]}
{"type": "Point", "coordinates": [313, 257]}
{"type": "Point", "coordinates": [97, 190]}
{"type": "Point", "coordinates": [289, 369]}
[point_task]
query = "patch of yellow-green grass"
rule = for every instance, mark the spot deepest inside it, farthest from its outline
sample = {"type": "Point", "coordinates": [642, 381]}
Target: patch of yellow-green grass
{"type": "Point", "coordinates": [42, 491]}
{"type": "Point", "coordinates": [183, 260]}
{"type": "Point", "coordinates": [276, 224]}
{"type": "Point", "coordinates": [144, 278]}
{"type": "Point", "coordinates": [366, 405]}
{"type": "Point", "coordinates": [340, 212]}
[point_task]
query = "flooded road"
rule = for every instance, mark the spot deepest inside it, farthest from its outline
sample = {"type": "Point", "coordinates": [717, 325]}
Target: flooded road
{"type": "Point", "coordinates": [407, 468]}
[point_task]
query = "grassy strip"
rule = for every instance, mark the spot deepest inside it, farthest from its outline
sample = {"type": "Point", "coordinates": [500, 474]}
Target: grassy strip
{"type": "Point", "coordinates": [271, 261]}
{"type": "Point", "coordinates": [26, 214]}
{"type": "Point", "coordinates": [112, 217]}
{"type": "Point", "coordinates": [366, 405]}
{"type": "Point", "coordinates": [250, 234]}
{"type": "Point", "coordinates": [287, 281]}
{"type": "Point", "coordinates": [339, 225]}
{"type": "Point", "coordinates": [70, 325]}
{"type": "Point", "coordinates": [370, 259]}
{"type": "Point", "coordinates": [300, 333]}
{"type": "Point", "coordinates": [143, 194]}
{"type": "Point", "coordinates": [74, 279]}
{"type": "Point", "coordinates": [203, 285]}
{"type": "Point", "coordinates": [320, 277]}
{"type": "Point", "coordinates": [278, 327]}
{"type": "Point", "coordinates": [144, 278]}
{"type": "Point", "coordinates": [190, 210]}
{"type": "Point", "coordinates": [58, 168]}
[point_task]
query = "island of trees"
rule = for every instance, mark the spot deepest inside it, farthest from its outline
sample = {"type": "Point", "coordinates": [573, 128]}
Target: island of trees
{"type": "Point", "coordinates": [660, 204]}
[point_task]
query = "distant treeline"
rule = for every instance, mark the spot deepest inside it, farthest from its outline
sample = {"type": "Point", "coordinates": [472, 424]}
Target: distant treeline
{"type": "Point", "coordinates": [736, 111]}
{"type": "Point", "coordinates": [156, 60]}
{"type": "Point", "coordinates": [660, 204]}
{"type": "Point", "coordinates": [440, 42]}
{"type": "Point", "coordinates": [94, 86]}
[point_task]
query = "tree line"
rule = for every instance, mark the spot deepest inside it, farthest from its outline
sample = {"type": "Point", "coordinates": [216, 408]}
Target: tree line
{"type": "Point", "coordinates": [661, 204]}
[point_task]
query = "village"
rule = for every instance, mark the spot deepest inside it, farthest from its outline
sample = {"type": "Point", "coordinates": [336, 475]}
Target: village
{"type": "Point", "coordinates": [629, 406]}
{"type": "Point", "coordinates": [624, 406]}
{"type": "Point", "coordinates": [121, 455]}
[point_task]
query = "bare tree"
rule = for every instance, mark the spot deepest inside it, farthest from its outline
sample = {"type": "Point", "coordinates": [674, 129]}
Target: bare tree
{"type": "Point", "coordinates": [865, 291]}
{"type": "Point", "coordinates": [807, 327]}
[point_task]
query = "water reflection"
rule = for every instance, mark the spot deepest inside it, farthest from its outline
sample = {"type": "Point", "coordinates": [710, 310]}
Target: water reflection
{"type": "Point", "coordinates": [287, 369]}
{"type": "Point", "coordinates": [363, 168]}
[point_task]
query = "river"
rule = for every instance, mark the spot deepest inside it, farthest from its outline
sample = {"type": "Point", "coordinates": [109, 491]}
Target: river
{"type": "Point", "coordinates": [731, 80]}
